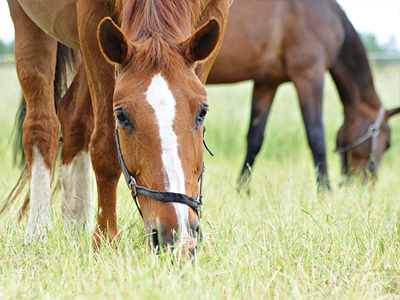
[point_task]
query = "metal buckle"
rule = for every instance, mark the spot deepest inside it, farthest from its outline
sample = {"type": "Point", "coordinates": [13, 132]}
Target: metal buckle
{"type": "Point", "coordinates": [373, 131]}
{"type": "Point", "coordinates": [132, 185]}
{"type": "Point", "coordinates": [371, 168]}
{"type": "Point", "coordinates": [198, 209]}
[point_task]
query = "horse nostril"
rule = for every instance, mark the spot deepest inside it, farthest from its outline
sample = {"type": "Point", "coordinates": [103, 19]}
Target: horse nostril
{"type": "Point", "coordinates": [154, 237]}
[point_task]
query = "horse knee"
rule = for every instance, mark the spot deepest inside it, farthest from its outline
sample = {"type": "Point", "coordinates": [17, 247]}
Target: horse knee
{"type": "Point", "coordinates": [40, 130]}
{"type": "Point", "coordinates": [104, 156]}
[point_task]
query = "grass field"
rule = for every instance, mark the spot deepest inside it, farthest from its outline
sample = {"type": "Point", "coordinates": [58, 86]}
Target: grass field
{"type": "Point", "coordinates": [283, 241]}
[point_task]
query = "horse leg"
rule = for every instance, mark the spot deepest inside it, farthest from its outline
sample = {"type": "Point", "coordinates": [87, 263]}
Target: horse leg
{"type": "Point", "coordinates": [76, 118]}
{"type": "Point", "coordinates": [35, 57]}
{"type": "Point", "coordinates": [103, 149]}
{"type": "Point", "coordinates": [309, 86]}
{"type": "Point", "coordinates": [263, 96]}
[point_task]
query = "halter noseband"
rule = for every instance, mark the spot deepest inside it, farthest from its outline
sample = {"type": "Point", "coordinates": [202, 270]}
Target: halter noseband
{"type": "Point", "coordinates": [158, 195]}
{"type": "Point", "coordinates": [372, 133]}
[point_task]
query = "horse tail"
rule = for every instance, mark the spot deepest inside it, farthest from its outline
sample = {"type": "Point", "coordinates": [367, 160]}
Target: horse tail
{"type": "Point", "coordinates": [19, 155]}
{"type": "Point", "coordinates": [66, 67]}
{"type": "Point", "coordinates": [68, 61]}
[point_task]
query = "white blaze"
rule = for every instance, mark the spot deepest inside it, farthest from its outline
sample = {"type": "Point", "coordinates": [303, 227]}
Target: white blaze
{"type": "Point", "coordinates": [162, 101]}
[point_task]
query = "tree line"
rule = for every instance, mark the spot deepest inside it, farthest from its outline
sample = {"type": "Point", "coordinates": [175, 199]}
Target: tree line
{"type": "Point", "coordinates": [369, 40]}
{"type": "Point", "coordinates": [371, 44]}
{"type": "Point", "coordinates": [6, 48]}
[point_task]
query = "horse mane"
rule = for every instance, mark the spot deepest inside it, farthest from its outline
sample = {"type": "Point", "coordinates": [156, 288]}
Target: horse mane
{"type": "Point", "coordinates": [354, 57]}
{"type": "Point", "coordinates": [157, 27]}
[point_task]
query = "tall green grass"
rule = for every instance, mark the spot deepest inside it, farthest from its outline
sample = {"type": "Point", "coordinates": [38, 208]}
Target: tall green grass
{"type": "Point", "coordinates": [281, 241]}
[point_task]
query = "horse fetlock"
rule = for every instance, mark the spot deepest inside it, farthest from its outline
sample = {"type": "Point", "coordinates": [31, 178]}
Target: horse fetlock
{"type": "Point", "coordinates": [243, 183]}
{"type": "Point", "coordinates": [112, 236]}
{"type": "Point", "coordinates": [323, 183]}
{"type": "Point", "coordinates": [76, 191]}
{"type": "Point", "coordinates": [39, 218]}
{"type": "Point", "coordinates": [38, 228]}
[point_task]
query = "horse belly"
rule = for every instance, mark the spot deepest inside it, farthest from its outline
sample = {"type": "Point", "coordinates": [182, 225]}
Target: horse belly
{"type": "Point", "coordinates": [56, 18]}
{"type": "Point", "coordinates": [227, 69]}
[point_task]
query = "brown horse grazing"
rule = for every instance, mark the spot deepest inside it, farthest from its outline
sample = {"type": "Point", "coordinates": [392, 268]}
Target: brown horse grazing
{"type": "Point", "coordinates": [280, 41]}
{"type": "Point", "coordinates": [146, 62]}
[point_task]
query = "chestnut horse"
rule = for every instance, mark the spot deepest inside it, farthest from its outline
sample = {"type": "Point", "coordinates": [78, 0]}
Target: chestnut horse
{"type": "Point", "coordinates": [146, 63]}
{"type": "Point", "coordinates": [272, 42]}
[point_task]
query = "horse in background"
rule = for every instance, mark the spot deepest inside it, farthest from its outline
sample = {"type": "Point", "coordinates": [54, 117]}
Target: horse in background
{"type": "Point", "coordinates": [161, 52]}
{"type": "Point", "coordinates": [272, 42]}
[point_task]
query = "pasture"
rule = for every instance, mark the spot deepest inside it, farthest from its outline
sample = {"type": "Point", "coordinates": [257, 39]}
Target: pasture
{"type": "Point", "coordinates": [282, 241]}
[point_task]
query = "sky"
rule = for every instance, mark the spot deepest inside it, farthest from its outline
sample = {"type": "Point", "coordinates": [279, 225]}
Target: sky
{"type": "Point", "coordinates": [381, 17]}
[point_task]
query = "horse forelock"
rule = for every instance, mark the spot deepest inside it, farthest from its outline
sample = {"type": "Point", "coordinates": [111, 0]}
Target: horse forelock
{"type": "Point", "coordinates": [157, 27]}
{"type": "Point", "coordinates": [170, 20]}
{"type": "Point", "coordinates": [157, 55]}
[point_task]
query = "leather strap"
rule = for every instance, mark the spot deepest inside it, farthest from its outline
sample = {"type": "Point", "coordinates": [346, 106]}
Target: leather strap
{"type": "Point", "coordinates": [373, 131]}
{"type": "Point", "coordinates": [157, 195]}
{"type": "Point", "coordinates": [163, 196]}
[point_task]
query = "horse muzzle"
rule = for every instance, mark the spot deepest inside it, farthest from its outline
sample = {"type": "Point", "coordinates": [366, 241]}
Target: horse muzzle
{"type": "Point", "coordinates": [182, 245]}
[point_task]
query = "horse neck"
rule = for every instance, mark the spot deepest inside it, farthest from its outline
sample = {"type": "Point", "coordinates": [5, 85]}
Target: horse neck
{"type": "Point", "coordinates": [352, 74]}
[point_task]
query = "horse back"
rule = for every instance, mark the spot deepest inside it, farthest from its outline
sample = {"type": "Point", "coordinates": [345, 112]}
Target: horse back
{"type": "Point", "coordinates": [268, 40]}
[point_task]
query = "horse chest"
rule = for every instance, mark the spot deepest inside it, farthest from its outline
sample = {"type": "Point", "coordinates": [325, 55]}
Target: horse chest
{"type": "Point", "coordinates": [56, 18]}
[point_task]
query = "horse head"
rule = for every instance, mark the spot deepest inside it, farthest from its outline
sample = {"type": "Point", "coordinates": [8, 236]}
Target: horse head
{"type": "Point", "coordinates": [160, 106]}
{"type": "Point", "coordinates": [362, 140]}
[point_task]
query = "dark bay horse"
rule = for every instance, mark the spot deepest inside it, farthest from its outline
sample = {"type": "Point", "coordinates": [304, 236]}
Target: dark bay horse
{"type": "Point", "coordinates": [146, 62]}
{"type": "Point", "coordinates": [272, 42]}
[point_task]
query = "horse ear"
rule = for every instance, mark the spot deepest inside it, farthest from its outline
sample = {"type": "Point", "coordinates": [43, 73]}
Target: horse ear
{"type": "Point", "coordinates": [392, 112]}
{"type": "Point", "coordinates": [113, 42]}
{"type": "Point", "coordinates": [202, 43]}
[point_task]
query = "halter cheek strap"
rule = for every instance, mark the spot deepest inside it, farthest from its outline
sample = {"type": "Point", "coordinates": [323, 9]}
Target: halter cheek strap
{"type": "Point", "coordinates": [158, 195]}
{"type": "Point", "coordinates": [372, 133]}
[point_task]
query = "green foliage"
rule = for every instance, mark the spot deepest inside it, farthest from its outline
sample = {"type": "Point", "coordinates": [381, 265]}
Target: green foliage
{"type": "Point", "coordinates": [282, 241]}
{"type": "Point", "coordinates": [6, 48]}
{"type": "Point", "coordinates": [371, 44]}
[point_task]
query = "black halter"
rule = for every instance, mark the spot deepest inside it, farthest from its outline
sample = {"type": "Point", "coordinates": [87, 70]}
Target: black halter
{"type": "Point", "coordinates": [158, 195]}
{"type": "Point", "coordinates": [372, 133]}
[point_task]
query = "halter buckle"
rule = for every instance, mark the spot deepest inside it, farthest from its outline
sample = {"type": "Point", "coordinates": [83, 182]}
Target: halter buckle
{"type": "Point", "coordinates": [371, 167]}
{"type": "Point", "coordinates": [132, 185]}
{"type": "Point", "coordinates": [372, 130]}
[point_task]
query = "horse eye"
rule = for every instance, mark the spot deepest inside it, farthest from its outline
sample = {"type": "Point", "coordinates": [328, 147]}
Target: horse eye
{"type": "Point", "coordinates": [387, 145]}
{"type": "Point", "coordinates": [202, 114]}
{"type": "Point", "coordinates": [121, 118]}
